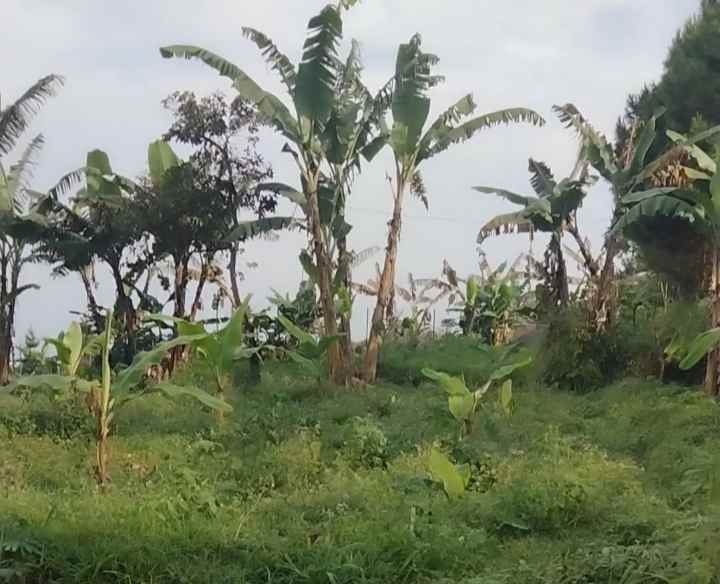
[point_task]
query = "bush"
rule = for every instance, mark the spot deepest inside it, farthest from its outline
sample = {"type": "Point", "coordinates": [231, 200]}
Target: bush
{"type": "Point", "coordinates": [366, 444]}
{"type": "Point", "coordinates": [576, 358]}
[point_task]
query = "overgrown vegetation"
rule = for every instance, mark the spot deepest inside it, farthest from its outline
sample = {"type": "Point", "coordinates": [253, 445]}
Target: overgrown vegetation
{"type": "Point", "coordinates": [549, 431]}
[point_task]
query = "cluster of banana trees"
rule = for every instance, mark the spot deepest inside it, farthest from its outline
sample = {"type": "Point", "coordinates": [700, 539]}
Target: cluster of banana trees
{"type": "Point", "coordinates": [333, 124]}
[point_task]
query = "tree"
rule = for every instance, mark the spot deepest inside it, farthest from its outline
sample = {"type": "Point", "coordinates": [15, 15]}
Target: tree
{"type": "Point", "coordinates": [700, 209]}
{"type": "Point", "coordinates": [98, 224]}
{"type": "Point", "coordinates": [17, 200]}
{"type": "Point", "coordinates": [225, 161]}
{"type": "Point", "coordinates": [689, 90]}
{"type": "Point", "coordinates": [626, 172]}
{"type": "Point", "coordinates": [553, 210]}
{"type": "Point", "coordinates": [312, 133]}
{"type": "Point", "coordinates": [412, 146]}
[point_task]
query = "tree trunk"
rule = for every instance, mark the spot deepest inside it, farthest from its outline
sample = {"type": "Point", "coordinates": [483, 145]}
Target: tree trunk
{"type": "Point", "coordinates": [5, 353]}
{"type": "Point", "coordinates": [602, 309]}
{"type": "Point", "coordinates": [713, 359]}
{"type": "Point", "coordinates": [337, 370]}
{"type": "Point", "coordinates": [197, 301]}
{"type": "Point", "coordinates": [91, 300]}
{"type": "Point", "coordinates": [232, 268]}
{"type": "Point", "coordinates": [386, 287]}
{"type": "Point", "coordinates": [557, 270]}
{"type": "Point", "coordinates": [345, 331]}
{"type": "Point", "coordinates": [590, 264]}
{"type": "Point", "coordinates": [127, 313]}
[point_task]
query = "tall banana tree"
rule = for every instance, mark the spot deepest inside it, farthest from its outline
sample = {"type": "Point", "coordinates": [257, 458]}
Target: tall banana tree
{"type": "Point", "coordinates": [16, 201]}
{"type": "Point", "coordinates": [699, 207]}
{"type": "Point", "coordinates": [552, 210]}
{"type": "Point", "coordinates": [326, 135]}
{"type": "Point", "coordinates": [412, 145]}
{"type": "Point", "coordinates": [627, 172]}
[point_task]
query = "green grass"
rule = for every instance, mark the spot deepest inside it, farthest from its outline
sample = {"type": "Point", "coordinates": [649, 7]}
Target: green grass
{"type": "Point", "coordinates": [317, 485]}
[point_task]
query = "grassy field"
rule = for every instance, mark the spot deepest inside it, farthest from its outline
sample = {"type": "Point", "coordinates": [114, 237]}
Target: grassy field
{"type": "Point", "coordinates": [316, 485]}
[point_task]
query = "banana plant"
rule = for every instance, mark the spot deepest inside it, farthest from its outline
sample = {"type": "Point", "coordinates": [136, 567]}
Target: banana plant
{"type": "Point", "coordinates": [107, 395]}
{"type": "Point", "coordinates": [628, 173]}
{"type": "Point", "coordinates": [699, 207]}
{"type": "Point", "coordinates": [412, 144]}
{"type": "Point", "coordinates": [222, 349]}
{"type": "Point", "coordinates": [454, 478]}
{"type": "Point", "coordinates": [463, 402]}
{"type": "Point", "coordinates": [310, 351]}
{"type": "Point", "coordinates": [553, 210]}
{"type": "Point", "coordinates": [331, 125]}
{"type": "Point", "coordinates": [72, 346]}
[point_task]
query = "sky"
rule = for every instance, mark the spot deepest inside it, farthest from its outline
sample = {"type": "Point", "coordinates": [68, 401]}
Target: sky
{"type": "Point", "coordinates": [525, 53]}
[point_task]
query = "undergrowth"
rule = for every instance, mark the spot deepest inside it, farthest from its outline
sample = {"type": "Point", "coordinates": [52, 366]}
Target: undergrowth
{"type": "Point", "coordinates": [309, 484]}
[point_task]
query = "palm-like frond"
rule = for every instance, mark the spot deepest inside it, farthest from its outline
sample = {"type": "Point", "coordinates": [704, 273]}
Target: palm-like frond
{"type": "Point", "coordinates": [507, 195]}
{"type": "Point", "coordinates": [18, 178]}
{"type": "Point", "coordinates": [597, 149]}
{"type": "Point", "coordinates": [659, 205]}
{"type": "Point", "coordinates": [360, 257]}
{"type": "Point", "coordinates": [467, 130]}
{"type": "Point", "coordinates": [410, 104]}
{"type": "Point", "coordinates": [517, 222]}
{"type": "Point", "coordinates": [67, 182]}
{"type": "Point", "coordinates": [317, 74]}
{"type": "Point", "coordinates": [249, 229]}
{"type": "Point", "coordinates": [269, 106]}
{"type": "Point", "coordinates": [276, 59]}
{"type": "Point", "coordinates": [448, 120]}
{"type": "Point", "coordinates": [15, 119]}
{"type": "Point", "coordinates": [541, 179]}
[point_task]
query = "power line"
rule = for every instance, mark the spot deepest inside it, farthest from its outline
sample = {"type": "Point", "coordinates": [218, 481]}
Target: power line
{"type": "Point", "coordinates": [456, 220]}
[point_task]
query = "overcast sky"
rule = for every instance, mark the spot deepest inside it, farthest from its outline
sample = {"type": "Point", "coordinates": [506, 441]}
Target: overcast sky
{"type": "Point", "coordinates": [532, 53]}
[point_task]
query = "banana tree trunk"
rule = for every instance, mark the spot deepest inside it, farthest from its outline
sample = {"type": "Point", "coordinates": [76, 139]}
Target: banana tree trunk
{"type": "Point", "coordinates": [338, 372]}
{"type": "Point", "coordinates": [557, 270]}
{"type": "Point", "coordinates": [713, 360]}
{"type": "Point", "coordinates": [5, 354]}
{"type": "Point", "coordinates": [385, 289]}
{"type": "Point", "coordinates": [590, 264]}
{"type": "Point", "coordinates": [345, 340]}
{"type": "Point", "coordinates": [102, 451]}
{"type": "Point", "coordinates": [602, 309]}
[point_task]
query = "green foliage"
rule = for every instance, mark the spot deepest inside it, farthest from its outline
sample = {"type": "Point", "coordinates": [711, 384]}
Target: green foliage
{"type": "Point", "coordinates": [574, 357]}
{"type": "Point", "coordinates": [221, 349]}
{"type": "Point", "coordinates": [571, 488]}
{"type": "Point", "coordinates": [463, 403]}
{"type": "Point", "coordinates": [454, 479]}
{"type": "Point", "coordinates": [310, 351]}
{"type": "Point", "coordinates": [366, 444]}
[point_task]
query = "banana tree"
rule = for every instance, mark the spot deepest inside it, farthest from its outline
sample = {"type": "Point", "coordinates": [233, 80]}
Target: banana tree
{"type": "Point", "coordinates": [412, 145]}
{"type": "Point", "coordinates": [107, 395]}
{"type": "Point", "coordinates": [627, 172]}
{"type": "Point", "coordinates": [553, 210]}
{"type": "Point", "coordinates": [222, 349]}
{"type": "Point", "coordinates": [321, 127]}
{"type": "Point", "coordinates": [16, 200]}
{"type": "Point", "coordinates": [699, 208]}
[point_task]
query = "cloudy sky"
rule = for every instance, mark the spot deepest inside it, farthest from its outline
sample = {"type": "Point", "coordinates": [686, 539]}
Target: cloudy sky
{"type": "Point", "coordinates": [520, 53]}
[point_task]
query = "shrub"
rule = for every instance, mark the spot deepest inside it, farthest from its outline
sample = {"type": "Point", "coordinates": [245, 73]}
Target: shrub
{"type": "Point", "coordinates": [366, 444]}
{"type": "Point", "coordinates": [576, 358]}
